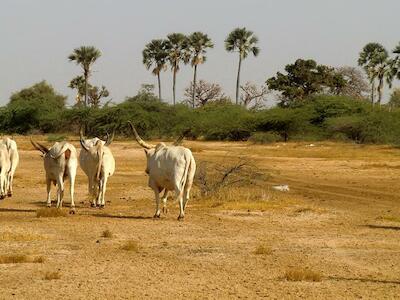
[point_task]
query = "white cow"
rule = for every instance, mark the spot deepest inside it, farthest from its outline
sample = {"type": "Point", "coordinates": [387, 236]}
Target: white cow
{"type": "Point", "coordinates": [4, 169]}
{"type": "Point", "coordinates": [60, 162]}
{"type": "Point", "coordinates": [14, 160]}
{"type": "Point", "coordinates": [170, 168]}
{"type": "Point", "coordinates": [98, 163]}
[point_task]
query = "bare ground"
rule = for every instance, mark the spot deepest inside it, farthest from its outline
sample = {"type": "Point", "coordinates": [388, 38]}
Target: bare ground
{"type": "Point", "coordinates": [341, 220]}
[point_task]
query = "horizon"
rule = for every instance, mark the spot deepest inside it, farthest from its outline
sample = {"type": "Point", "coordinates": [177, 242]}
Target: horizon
{"type": "Point", "coordinates": [37, 40]}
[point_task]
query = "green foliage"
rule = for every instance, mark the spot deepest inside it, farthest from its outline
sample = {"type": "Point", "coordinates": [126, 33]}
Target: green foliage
{"type": "Point", "coordinates": [394, 101]}
{"type": "Point", "coordinates": [265, 137]}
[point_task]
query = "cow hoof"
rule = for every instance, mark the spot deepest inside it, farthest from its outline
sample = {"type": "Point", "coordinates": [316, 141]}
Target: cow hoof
{"type": "Point", "coordinates": [180, 218]}
{"type": "Point", "coordinates": [72, 211]}
{"type": "Point", "coordinates": [93, 205]}
{"type": "Point", "coordinates": [9, 194]}
{"type": "Point", "coordinates": [101, 206]}
{"type": "Point", "coordinates": [48, 205]}
{"type": "Point", "coordinates": [2, 197]}
{"type": "Point", "coordinates": [156, 216]}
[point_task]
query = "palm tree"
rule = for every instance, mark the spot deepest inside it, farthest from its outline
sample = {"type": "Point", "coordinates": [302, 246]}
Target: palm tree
{"type": "Point", "coordinates": [177, 45]}
{"type": "Point", "coordinates": [244, 42]}
{"type": "Point", "coordinates": [395, 63]}
{"type": "Point", "coordinates": [155, 54]}
{"type": "Point", "coordinates": [85, 56]}
{"type": "Point", "coordinates": [375, 60]}
{"type": "Point", "coordinates": [198, 43]}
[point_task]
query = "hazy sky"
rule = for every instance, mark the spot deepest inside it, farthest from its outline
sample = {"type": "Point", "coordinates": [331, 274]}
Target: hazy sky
{"type": "Point", "coordinates": [37, 37]}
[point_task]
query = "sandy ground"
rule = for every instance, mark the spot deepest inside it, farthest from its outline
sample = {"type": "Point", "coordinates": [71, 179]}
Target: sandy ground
{"type": "Point", "coordinates": [341, 219]}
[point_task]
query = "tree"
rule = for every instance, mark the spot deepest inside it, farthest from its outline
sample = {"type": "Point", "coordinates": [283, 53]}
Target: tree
{"type": "Point", "coordinates": [394, 101]}
{"type": "Point", "coordinates": [85, 56]}
{"type": "Point", "coordinates": [94, 93]}
{"type": "Point", "coordinates": [355, 84]}
{"type": "Point", "coordinates": [251, 94]}
{"type": "Point", "coordinates": [176, 45]}
{"type": "Point", "coordinates": [155, 55]}
{"type": "Point", "coordinates": [395, 64]}
{"type": "Point", "coordinates": [375, 60]}
{"type": "Point", "coordinates": [198, 44]}
{"type": "Point", "coordinates": [302, 79]}
{"type": "Point", "coordinates": [204, 93]}
{"type": "Point", "coordinates": [244, 42]}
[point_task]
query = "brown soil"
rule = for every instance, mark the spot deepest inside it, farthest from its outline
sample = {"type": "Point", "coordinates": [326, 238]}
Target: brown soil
{"type": "Point", "coordinates": [340, 222]}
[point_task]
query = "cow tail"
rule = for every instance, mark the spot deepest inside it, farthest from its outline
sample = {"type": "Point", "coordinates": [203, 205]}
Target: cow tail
{"type": "Point", "coordinates": [185, 172]}
{"type": "Point", "coordinates": [100, 163]}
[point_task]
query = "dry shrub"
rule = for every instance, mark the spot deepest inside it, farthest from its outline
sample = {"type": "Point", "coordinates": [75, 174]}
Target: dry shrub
{"type": "Point", "coordinates": [107, 234]}
{"type": "Point", "coordinates": [263, 250]}
{"type": "Point", "coordinates": [52, 275]}
{"type": "Point", "coordinates": [302, 274]}
{"type": "Point", "coordinates": [132, 246]}
{"type": "Point", "coordinates": [51, 212]}
{"type": "Point", "coordinates": [16, 236]}
{"type": "Point", "coordinates": [211, 177]}
{"type": "Point", "coordinates": [19, 259]}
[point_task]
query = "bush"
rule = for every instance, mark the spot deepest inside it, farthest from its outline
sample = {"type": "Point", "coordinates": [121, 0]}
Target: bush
{"type": "Point", "coordinates": [265, 137]}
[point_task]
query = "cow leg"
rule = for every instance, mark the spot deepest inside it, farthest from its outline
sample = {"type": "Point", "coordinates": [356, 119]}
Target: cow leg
{"type": "Point", "coordinates": [9, 183]}
{"type": "Point", "coordinates": [48, 185]}
{"type": "Point", "coordinates": [60, 191]}
{"type": "Point", "coordinates": [181, 208]}
{"type": "Point", "coordinates": [94, 193]}
{"type": "Point", "coordinates": [72, 174]}
{"type": "Point", "coordinates": [157, 196]}
{"type": "Point", "coordinates": [103, 191]}
{"type": "Point", "coordinates": [164, 199]}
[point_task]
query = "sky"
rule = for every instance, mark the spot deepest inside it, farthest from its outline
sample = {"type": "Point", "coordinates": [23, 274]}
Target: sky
{"type": "Point", "coordinates": [36, 38]}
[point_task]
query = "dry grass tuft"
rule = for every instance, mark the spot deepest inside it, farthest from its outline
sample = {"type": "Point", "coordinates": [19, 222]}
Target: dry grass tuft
{"type": "Point", "coordinates": [301, 274]}
{"type": "Point", "coordinates": [16, 236]}
{"type": "Point", "coordinates": [19, 259]}
{"type": "Point", "coordinates": [263, 250]}
{"type": "Point", "coordinates": [52, 275]}
{"type": "Point", "coordinates": [107, 234]}
{"type": "Point", "coordinates": [132, 246]}
{"type": "Point", "coordinates": [51, 212]}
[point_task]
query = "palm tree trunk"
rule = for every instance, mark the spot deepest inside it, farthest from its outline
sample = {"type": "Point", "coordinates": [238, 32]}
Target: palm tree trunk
{"type": "Point", "coordinates": [194, 84]}
{"type": "Point", "coordinates": [174, 85]}
{"type": "Point", "coordinates": [372, 91]}
{"type": "Point", "coordinates": [238, 79]}
{"type": "Point", "coordinates": [86, 89]}
{"type": "Point", "coordinates": [380, 86]}
{"type": "Point", "coordinates": [159, 86]}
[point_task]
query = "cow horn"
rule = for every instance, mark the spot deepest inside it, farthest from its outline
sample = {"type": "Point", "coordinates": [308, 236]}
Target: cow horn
{"type": "Point", "coordinates": [182, 136]}
{"type": "Point", "coordinates": [139, 139]}
{"type": "Point", "coordinates": [82, 141]}
{"type": "Point", "coordinates": [109, 139]}
{"type": "Point", "coordinates": [39, 147]}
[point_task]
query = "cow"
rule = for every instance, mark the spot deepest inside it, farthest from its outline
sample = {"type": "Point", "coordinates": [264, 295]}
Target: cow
{"type": "Point", "coordinates": [14, 160]}
{"type": "Point", "coordinates": [98, 163]}
{"type": "Point", "coordinates": [60, 163]}
{"type": "Point", "coordinates": [170, 168]}
{"type": "Point", "coordinates": [4, 169]}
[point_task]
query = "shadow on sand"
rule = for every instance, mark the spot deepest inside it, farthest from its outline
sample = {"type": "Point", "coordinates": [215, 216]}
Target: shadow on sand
{"type": "Point", "coordinates": [122, 217]}
{"type": "Point", "coordinates": [383, 227]}
{"type": "Point", "coordinates": [363, 280]}
{"type": "Point", "coordinates": [3, 209]}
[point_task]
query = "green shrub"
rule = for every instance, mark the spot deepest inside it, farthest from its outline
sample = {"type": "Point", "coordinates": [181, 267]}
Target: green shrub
{"type": "Point", "coordinates": [265, 137]}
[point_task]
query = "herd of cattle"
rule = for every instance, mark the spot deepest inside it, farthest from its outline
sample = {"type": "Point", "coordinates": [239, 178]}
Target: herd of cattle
{"type": "Point", "coordinates": [170, 168]}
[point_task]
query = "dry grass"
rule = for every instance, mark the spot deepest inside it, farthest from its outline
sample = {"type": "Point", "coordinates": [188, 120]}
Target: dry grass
{"type": "Point", "coordinates": [107, 234]}
{"type": "Point", "coordinates": [263, 249]}
{"type": "Point", "coordinates": [20, 258]}
{"type": "Point", "coordinates": [302, 274]}
{"type": "Point", "coordinates": [390, 218]}
{"type": "Point", "coordinates": [51, 212]}
{"type": "Point", "coordinates": [131, 246]}
{"type": "Point", "coordinates": [16, 236]}
{"type": "Point", "coordinates": [52, 275]}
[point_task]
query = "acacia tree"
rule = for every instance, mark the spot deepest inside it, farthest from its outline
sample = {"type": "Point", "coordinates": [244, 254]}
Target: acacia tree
{"type": "Point", "coordinates": [94, 93]}
{"type": "Point", "coordinates": [198, 44]}
{"type": "Point", "coordinates": [85, 56]}
{"type": "Point", "coordinates": [155, 55]}
{"type": "Point", "coordinates": [253, 95]}
{"type": "Point", "coordinates": [355, 85]}
{"type": "Point", "coordinates": [244, 42]}
{"type": "Point", "coordinates": [176, 45]}
{"type": "Point", "coordinates": [375, 60]}
{"type": "Point", "coordinates": [204, 93]}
